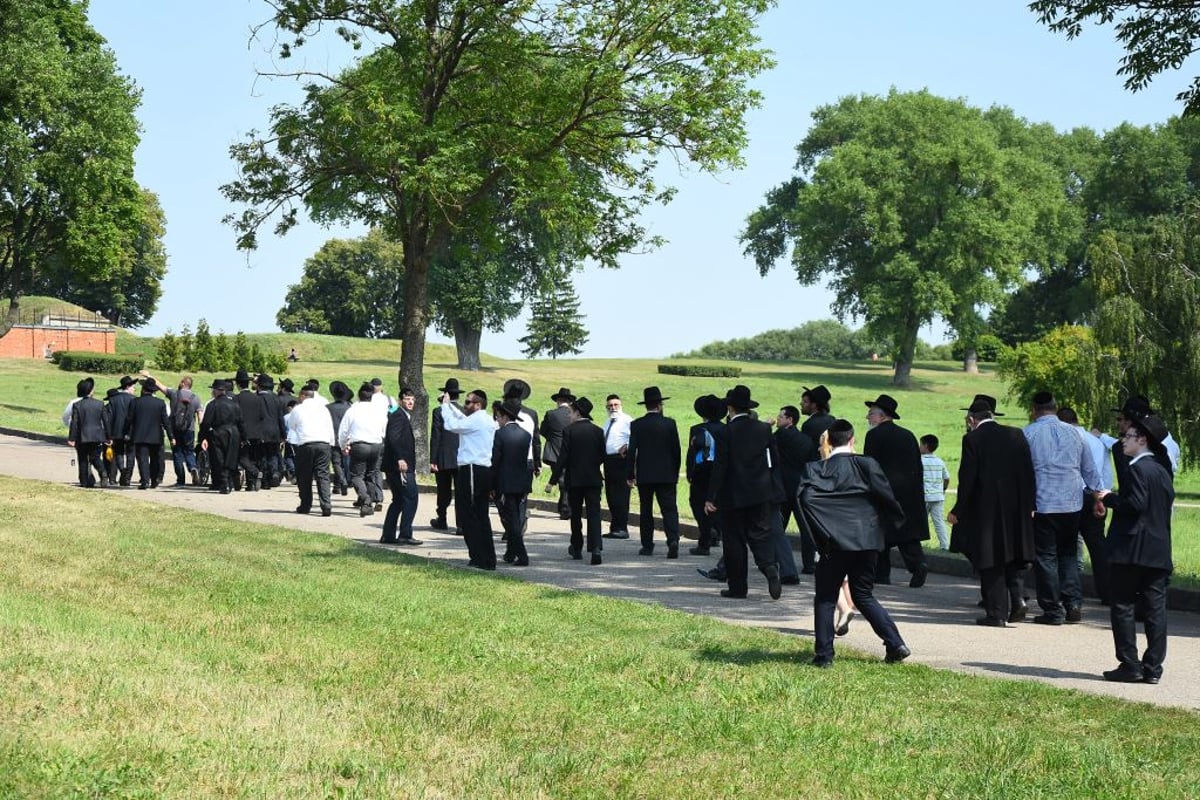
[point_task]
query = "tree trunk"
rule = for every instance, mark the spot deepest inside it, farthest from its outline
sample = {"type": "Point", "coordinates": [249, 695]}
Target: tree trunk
{"type": "Point", "coordinates": [971, 361]}
{"type": "Point", "coordinates": [412, 346]}
{"type": "Point", "coordinates": [466, 342]}
{"type": "Point", "coordinates": [906, 348]}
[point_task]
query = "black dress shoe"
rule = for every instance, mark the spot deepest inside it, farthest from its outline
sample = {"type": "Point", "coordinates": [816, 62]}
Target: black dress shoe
{"type": "Point", "coordinates": [790, 580]}
{"type": "Point", "coordinates": [673, 551]}
{"type": "Point", "coordinates": [774, 587]}
{"type": "Point", "coordinates": [991, 622]}
{"type": "Point", "coordinates": [387, 541]}
{"type": "Point", "coordinates": [822, 662]}
{"type": "Point", "coordinates": [409, 542]}
{"type": "Point", "coordinates": [1046, 619]}
{"type": "Point", "coordinates": [1074, 615]}
{"type": "Point", "coordinates": [896, 656]}
{"type": "Point", "coordinates": [617, 535]}
{"type": "Point", "coordinates": [732, 594]}
{"type": "Point", "coordinates": [1018, 614]}
{"type": "Point", "coordinates": [1150, 677]}
{"type": "Point", "coordinates": [1123, 674]}
{"type": "Point", "coordinates": [596, 559]}
{"type": "Point", "coordinates": [521, 562]}
{"type": "Point", "coordinates": [918, 577]}
{"type": "Point", "coordinates": [699, 551]}
{"type": "Point", "coordinates": [646, 551]}
{"type": "Point", "coordinates": [509, 558]}
{"type": "Point", "coordinates": [303, 509]}
{"type": "Point", "coordinates": [575, 553]}
{"type": "Point", "coordinates": [438, 524]}
{"type": "Point", "coordinates": [326, 512]}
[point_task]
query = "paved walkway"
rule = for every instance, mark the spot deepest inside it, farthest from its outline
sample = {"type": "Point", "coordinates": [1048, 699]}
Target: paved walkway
{"type": "Point", "coordinates": [937, 621]}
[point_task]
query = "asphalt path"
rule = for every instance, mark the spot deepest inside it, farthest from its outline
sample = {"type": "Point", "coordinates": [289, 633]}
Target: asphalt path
{"type": "Point", "coordinates": [937, 621]}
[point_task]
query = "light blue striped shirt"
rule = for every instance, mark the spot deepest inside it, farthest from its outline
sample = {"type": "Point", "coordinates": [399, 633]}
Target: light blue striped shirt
{"type": "Point", "coordinates": [1062, 465]}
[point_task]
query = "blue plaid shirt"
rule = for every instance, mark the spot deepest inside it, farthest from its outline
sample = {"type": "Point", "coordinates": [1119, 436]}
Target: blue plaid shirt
{"type": "Point", "coordinates": [1062, 465]}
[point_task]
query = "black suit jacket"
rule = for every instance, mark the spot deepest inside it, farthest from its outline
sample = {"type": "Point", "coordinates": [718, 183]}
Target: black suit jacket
{"type": "Point", "coordinates": [847, 504]}
{"type": "Point", "coordinates": [511, 473]}
{"type": "Point", "coordinates": [89, 423]}
{"type": "Point", "coordinates": [796, 449]}
{"type": "Point", "coordinates": [654, 454]}
{"type": "Point", "coordinates": [742, 474]}
{"type": "Point", "coordinates": [582, 456]}
{"type": "Point", "coordinates": [995, 500]}
{"type": "Point", "coordinates": [119, 410]}
{"type": "Point", "coordinates": [554, 424]}
{"type": "Point", "coordinates": [899, 457]}
{"type": "Point", "coordinates": [1140, 532]}
{"type": "Point", "coordinates": [443, 444]}
{"type": "Point", "coordinates": [150, 420]}
{"type": "Point", "coordinates": [399, 442]}
{"type": "Point", "coordinates": [815, 425]}
{"type": "Point", "coordinates": [697, 462]}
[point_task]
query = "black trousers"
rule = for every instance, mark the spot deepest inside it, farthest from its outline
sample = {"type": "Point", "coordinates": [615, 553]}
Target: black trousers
{"type": "Point", "coordinates": [616, 492]}
{"type": "Point", "coordinates": [808, 549]}
{"type": "Point", "coordinates": [1091, 528]}
{"type": "Point", "coordinates": [859, 568]}
{"type": "Point", "coordinates": [472, 486]}
{"type": "Point", "coordinates": [312, 463]}
{"type": "Point", "coordinates": [911, 552]}
{"type": "Point", "coordinates": [742, 528]}
{"type": "Point", "coordinates": [1002, 589]}
{"type": "Point", "coordinates": [149, 463]}
{"type": "Point", "coordinates": [121, 467]}
{"type": "Point", "coordinates": [709, 525]}
{"type": "Point", "coordinates": [1056, 564]}
{"type": "Point", "coordinates": [266, 458]}
{"type": "Point", "coordinates": [668, 506]}
{"type": "Point", "coordinates": [87, 457]}
{"type": "Point", "coordinates": [445, 491]}
{"type": "Point", "coordinates": [513, 509]}
{"type": "Point", "coordinates": [581, 498]}
{"type": "Point", "coordinates": [564, 507]}
{"type": "Point", "coordinates": [1128, 582]}
{"type": "Point", "coordinates": [248, 461]}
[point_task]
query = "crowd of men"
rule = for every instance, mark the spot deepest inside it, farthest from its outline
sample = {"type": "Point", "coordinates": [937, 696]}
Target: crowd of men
{"type": "Point", "coordinates": [1025, 497]}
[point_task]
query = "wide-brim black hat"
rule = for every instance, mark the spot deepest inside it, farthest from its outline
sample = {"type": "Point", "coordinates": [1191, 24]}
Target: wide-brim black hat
{"type": "Point", "coordinates": [1135, 407]}
{"type": "Point", "coordinates": [818, 394]}
{"type": "Point", "coordinates": [885, 402]}
{"type": "Point", "coordinates": [84, 387]}
{"type": "Point", "coordinates": [287, 385]}
{"type": "Point", "coordinates": [517, 388]}
{"type": "Point", "coordinates": [511, 408]}
{"type": "Point", "coordinates": [265, 381]}
{"type": "Point", "coordinates": [583, 407]}
{"type": "Point", "coordinates": [563, 395]}
{"type": "Point", "coordinates": [127, 381]}
{"type": "Point", "coordinates": [979, 401]}
{"type": "Point", "coordinates": [651, 396]}
{"type": "Point", "coordinates": [708, 406]}
{"type": "Point", "coordinates": [739, 397]}
{"type": "Point", "coordinates": [451, 387]}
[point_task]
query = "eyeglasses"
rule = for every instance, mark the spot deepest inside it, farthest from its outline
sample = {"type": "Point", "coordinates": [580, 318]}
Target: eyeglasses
{"type": "Point", "coordinates": [1132, 435]}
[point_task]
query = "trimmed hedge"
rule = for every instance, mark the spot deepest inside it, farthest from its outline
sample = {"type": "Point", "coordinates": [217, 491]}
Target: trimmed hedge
{"type": "Point", "coordinates": [99, 363]}
{"type": "Point", "coordinates": [699, 371]}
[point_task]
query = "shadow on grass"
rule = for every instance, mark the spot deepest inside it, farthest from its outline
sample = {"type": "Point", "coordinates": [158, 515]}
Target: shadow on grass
{"type": "Point", "coordinates": [728, 655]}
{"type": "Point", "coordinates": [1032, 672]}
{"type": "Point", "coordinates": [869, 380]}
{"type": "Point", "coordinates": [22, 409]}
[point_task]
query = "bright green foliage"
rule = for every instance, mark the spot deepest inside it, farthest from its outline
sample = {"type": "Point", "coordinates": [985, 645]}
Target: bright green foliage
{"type": "Point", "coordinates": [1071, 364]}
{"type": "Point", "coordinates": [567, 106]}
{"type": "Point", "coordinates": [68, 200]}
{"type": "Point", "coordinates": [351, 287]}
{"type": "Point", "coordinates": [203, 356]}
{"type": "Point", "coordinates": [823, 340]}
{"type": "Point", "coordinates": [555, 323]}
{"type": "Point", "coordinates": [240, 353]}
{"type": "Point", "coordinates": [1157, 36]}
{"type": "Point", "coordinates": [168, 355]}
{"type": "Point", "coordinates": [916, 207]}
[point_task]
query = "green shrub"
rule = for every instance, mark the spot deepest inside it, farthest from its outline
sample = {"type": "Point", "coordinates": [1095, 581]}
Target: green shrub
{"type": "Point", "coordinates": [699, 371]}
{"type": "Point", "coordinates": [100, 363]}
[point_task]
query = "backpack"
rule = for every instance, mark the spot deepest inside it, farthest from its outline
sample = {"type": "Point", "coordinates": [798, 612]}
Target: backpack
{"type": "Point", "coordinates": [182, 414]}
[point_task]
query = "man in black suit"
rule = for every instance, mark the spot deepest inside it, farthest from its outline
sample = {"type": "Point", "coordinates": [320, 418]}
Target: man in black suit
{"type": "Point", "coordinates": [1139, 551]}
{"type": "Point", "coordinates": [899, 456]}
{"type": "Point", "coordinates": [150, 423]}
{"type": "Point", "coordinates": [88, 433]}
{"type": "Point", "coordinates": [814, 403]}
{"type": "Point", "coordinates": [512, 480]}
{"type": "Point", "coordinates": [518, 390]}
{"type": "Point", "coordinates": [251, 408]}
{"type": "Point", "coordinates": [796, 450]}
{"type": "Point", "coordinates": [554, 423]}
{"type": "Point", "coordinates": [743, 491]}
{"type": "Point", "coordinates": [992, 518]}
{"type": "Point", "coordinates": [222, 430]}
{"type": "Point", "coordinates": [578, 469]}
{"type": "Point", "coordinates": [400, 464]}
{"type": "Point", "coordinates": [270, 431]}
{"type": "Point", "coordinates": [443, 455]}
{"type": "Point", "coordinates": [653, 461]}
{"type": "Point", "coordinates": [699, 461]}
{"type": "Point", "coordinates": [847, 506]}
{"type": "Point", "coordinates": [120, 428]}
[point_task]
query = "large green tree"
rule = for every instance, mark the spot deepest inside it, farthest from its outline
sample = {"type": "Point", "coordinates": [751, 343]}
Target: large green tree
{"type": "Point", "coordinates": [67, 137]}
{"type": "Point", "coordinates": [350, 287]}
{"type": "Point", "coordinates": [570, 104]}
{"type": "Point", "coordinates": [555, 321]}
{"type": "Point", "coordinates": [916, 207]}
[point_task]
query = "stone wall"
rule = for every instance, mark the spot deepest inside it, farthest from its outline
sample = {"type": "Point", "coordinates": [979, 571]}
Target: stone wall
{"type": "Point", "coordinates": [37, 341]}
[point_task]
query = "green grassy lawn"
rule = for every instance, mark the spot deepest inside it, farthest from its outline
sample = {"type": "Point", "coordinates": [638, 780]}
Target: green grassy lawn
{"type": "Point", "coordinates": [186, 655]}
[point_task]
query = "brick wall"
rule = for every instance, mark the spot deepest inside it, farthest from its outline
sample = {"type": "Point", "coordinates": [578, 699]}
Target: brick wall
{"type": "Point", "coordinates": [31, 341]}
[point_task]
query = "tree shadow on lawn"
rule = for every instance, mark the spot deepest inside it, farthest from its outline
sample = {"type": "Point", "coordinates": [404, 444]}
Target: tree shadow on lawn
{"type": "Point", "coordinates": [1029, 671]}
{"type": "Point", "coordinates": [873, 382]}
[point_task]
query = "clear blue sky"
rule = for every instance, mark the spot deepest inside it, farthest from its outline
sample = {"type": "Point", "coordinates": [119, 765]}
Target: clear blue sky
{"type": "Point", "coordinates": [196, 67]}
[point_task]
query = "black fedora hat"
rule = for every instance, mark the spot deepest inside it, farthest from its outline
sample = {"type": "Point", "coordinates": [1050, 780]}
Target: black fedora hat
{"type": "Point", "coordinates": [583, 407]}
{"type": "Point", "coordinates": [511, 408]}
{"type": "Point", "coordinates": [451, 387]}
{"type": "Point", "coordinates": [563, 395]}
{"type": "Point", "coordinates": [127, 381]}
{"type": "Point", "coordinates": [818, 394]}
{"type": "Point", "coordinates": [265, 381]}
{"type": "Point", "coordinates": [709, 406]}
{"type": "Point", "coordinates": [517, 388]}
{"type": "Point", "coordinates": [84, 387]}
{"type": "Point", "coordinates": [1135, 407]}
{"type": "Point", "coordinates": [886, 403]}
{"type": "Point", "coordinates": [651, 396]}
{"type": "Point", "coordinates": [287, 385]}
{"type": "Point", "coordinates": [739, 397]}
{"type": "Point", "coordinates": [979, 402]}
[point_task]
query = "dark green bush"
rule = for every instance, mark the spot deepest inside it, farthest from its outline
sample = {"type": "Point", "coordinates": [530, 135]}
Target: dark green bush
{"type": "Point", "coordinates": [699, 371]}
{"type": "Point", "coordinates": [100, 363]}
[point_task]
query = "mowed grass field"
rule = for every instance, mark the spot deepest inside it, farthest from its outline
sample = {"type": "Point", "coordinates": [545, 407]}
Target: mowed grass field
{"type": "Point", "coordinates": [182, 655]}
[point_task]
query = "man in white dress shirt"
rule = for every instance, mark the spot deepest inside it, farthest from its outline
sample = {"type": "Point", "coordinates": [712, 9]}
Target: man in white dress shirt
{"type": "Point", "coordinates": [616, 490]}
{"type": "Point", "coordinates": [476, 430]}
{"type": "Point", "coordinates": [310, 430]}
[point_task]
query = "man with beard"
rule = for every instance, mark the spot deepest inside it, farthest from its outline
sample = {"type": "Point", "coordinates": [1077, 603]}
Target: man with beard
{"type": "Point", "coordinates": [899, 456]}
{"type": "Point", "coordinates": [992, 518]}
{"type": "Point", "coordinates": [476, 431]}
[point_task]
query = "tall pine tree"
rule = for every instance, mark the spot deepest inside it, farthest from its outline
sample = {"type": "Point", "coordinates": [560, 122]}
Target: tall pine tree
{"type": "Point", "coordinates": [555, 324]}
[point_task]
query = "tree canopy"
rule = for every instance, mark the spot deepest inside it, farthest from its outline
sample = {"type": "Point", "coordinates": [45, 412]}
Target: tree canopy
{"type": "Point", "coordinates": [916, 207]}
{"type": "Point", "coordinates": [555, 323]}
{"type": "Point", "coordinates": [569, 104]}
{"type": "Point", "coordinates": [68, 199]}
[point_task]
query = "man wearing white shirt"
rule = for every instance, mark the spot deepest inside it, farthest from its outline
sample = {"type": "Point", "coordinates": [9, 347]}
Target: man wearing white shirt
{"type": "Point", "coordinates": [476, 431]}
{"type": "Point", "coordinates": [616, 490]}
{"type": "Point", "coordinates": [310, 430]}
{"type": "Point", "coordinates": [360, 436]}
